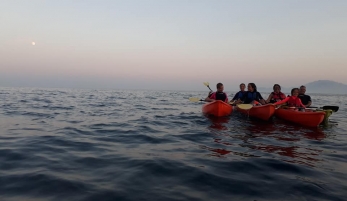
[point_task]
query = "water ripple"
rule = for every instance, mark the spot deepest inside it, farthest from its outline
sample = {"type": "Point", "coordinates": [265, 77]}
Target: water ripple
{"type": "Point", "coordinates": [68, 144]}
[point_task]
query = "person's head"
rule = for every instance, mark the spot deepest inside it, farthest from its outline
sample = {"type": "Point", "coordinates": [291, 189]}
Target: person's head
{"type": "Point", "coordinates": [302, 89]}
{"type": "Point", "coordinates": [276, 88]}
{"type": "Point", "coordinates": [220, 87]}
{"type": "Point", "coordinates": [295, 92]}
{"type": "Point", "coordinates": [242, 87]}
{"type": "Point", "coordinates": [251, 87]}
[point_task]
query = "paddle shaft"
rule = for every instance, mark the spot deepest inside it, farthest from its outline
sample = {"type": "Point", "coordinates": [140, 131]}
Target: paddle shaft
{"type": "Point", "coordinates": [328, 107]}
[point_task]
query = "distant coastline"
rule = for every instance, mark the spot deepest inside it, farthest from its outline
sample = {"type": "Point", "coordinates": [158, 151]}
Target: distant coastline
{"type": "Point", "coordinates": [319, 87]}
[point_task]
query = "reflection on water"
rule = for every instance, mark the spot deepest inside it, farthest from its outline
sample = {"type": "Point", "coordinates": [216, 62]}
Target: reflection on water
{"type": "Point", "coordinates": [260, 138]}
{"type": "Point", "coordinates": [218, 122]}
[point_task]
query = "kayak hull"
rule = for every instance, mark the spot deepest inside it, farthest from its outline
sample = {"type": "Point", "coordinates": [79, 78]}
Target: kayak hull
{"type": "Point", "coordinates": [217, 108]}
{"type": "Point", "coordinates": [263, 112]}
{"type": "Point", "coordinates": [308, 118]}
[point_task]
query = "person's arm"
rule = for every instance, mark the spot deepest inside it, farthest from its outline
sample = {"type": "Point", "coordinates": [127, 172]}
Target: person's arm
{"type": "Point", "coordinates": [309, 102]}
{"type": "Point", "coordinates": [238, 101]}
{"type": "Point", "coordinates": [235, 97]}
{"type": "Point", "coordinates": [269, 98]}
{"type": "Point", "coordinates": [211, 97]}
{"type": "Point", "coordinates": [282, 101]}
{"type": "Point", "coordinates": [261, 99]}
{"type": "Point", "coordinates": [302, 105]}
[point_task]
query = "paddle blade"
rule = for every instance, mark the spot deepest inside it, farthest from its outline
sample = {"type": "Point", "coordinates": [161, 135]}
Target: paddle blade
{"type": "Point", "coordinates": [206, 84]}
{"type": "Point", "coordinates": [245, 106]}
{"type": "Point", "coordinates": [333, 108]}
{"type": "Point", "coordinates": [194, 99]}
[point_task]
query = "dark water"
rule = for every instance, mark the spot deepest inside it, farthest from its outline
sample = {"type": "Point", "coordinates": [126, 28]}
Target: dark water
{"type": "Point", "coordinates": [59, 144]}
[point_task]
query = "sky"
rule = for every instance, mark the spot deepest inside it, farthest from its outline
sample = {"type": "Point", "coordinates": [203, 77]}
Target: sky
{"type": "Point", "coordinates": [171, 44]}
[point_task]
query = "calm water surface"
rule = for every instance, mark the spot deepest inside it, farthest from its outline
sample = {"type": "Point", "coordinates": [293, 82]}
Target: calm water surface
{"type": "Point", "coordinates": [87, 145]}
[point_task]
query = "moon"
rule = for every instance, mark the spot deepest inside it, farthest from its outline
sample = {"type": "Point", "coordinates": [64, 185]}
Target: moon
{"type": "Point", "coordinates": [33, 43]}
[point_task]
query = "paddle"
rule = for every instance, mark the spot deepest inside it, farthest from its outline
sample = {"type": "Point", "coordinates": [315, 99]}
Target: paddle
{"type": "Point", "coordinates": [195, 99]}
{"type": "Point", "coordinates": [244, 106]}
{"type": "Point", "coordinates": [231, 102]}
{"type": "Point", "coordinates": [328, 107]}
{"type": "Point", "coordinates": [333, 108]}
{"type": "Point", "coordinates": [208, 85]}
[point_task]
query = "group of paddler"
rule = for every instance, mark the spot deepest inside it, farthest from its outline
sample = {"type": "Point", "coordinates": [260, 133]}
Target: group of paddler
{"type": "Point", "coordinates": [298, 98]}
{"type": "Point", "coordinates": [251, 103]}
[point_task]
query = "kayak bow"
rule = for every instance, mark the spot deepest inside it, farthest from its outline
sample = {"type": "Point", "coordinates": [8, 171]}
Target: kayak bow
{"type": "Point", "coordinates": [217, 108]}
{"type": "Point", "coordinates": [263, 112]}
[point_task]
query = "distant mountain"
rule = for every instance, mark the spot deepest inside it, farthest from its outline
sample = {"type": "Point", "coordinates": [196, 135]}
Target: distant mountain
{"type": "Point", "coordinates": [319, 86]}
{"type": "Point", "coordinates": [326, 86]}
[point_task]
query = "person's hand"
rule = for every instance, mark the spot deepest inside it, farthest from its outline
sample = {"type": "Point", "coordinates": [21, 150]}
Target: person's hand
{"type": "Point", "coordinates": [276, 106]}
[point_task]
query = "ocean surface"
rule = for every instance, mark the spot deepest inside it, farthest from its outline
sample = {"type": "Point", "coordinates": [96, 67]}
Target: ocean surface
{"type": "Point", "coordinates": [88, 145]}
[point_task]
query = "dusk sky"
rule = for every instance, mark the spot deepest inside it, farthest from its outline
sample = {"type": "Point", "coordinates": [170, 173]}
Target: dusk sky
{"type": "Point", "coordinates": [171, 44]}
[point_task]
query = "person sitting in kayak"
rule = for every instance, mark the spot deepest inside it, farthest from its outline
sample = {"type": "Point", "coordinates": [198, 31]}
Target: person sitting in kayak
{"type": "Point", "coordinates": [252, 96]}
{"type": "Point", "coordinates": [239, 95]}
{"type": "Point", "coordinates": [276, 95]}
{"type": "Point", "coordinates": [293, 100]}
{"type": "Point", "coordinates": [305, 99]}
{"type": "Point", "coordinates": [218, 95]}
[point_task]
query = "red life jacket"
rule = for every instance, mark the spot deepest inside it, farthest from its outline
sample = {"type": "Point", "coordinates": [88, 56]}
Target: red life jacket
{"type": "Point", "coordinates": [278, 96]}
{"type": "Point", "coordinates": [219, 96]}
{"type": "Point", "coordinates": [294, 101]}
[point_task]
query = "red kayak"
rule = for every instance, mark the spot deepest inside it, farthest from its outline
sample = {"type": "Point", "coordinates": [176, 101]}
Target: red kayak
{"type": "Point", "coordinates": [263, 112]}
{"type": "Point", "coordinates": [308, 118]}
{"type": "Point", "coordinates": [217, 108]}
